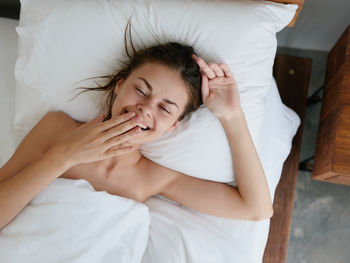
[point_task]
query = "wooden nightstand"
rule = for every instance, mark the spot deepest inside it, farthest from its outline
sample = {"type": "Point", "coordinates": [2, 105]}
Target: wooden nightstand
{"type": "Point", "coordinates": [332, 156]}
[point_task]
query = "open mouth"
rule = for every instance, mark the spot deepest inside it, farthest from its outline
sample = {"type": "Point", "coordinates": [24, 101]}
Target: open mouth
{"type": "Point", "coordinates": [143, 127]}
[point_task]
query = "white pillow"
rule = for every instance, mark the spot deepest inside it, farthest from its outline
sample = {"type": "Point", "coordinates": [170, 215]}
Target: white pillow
{"type": "Point", "coordinates": [62, 42]}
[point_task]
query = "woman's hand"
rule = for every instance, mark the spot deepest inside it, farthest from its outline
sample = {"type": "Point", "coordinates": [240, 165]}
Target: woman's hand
{"type": "Point", "coordinates": [219, 89]}
{"type": "Point", "coordinates": [97, 140]}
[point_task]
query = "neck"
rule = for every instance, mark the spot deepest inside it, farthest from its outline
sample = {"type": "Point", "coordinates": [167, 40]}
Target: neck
{"type": "Point", "coordinates": [125, 161]}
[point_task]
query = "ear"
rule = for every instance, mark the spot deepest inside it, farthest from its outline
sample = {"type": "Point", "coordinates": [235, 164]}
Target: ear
{"type": "Point", "coordinates": [173, 126]}
{"type": "Point", "coordinates": [118, 86]}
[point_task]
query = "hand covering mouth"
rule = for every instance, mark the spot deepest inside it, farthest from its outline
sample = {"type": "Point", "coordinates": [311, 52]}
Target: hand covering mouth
{"type": "Point", "coordinates": [141, 125]}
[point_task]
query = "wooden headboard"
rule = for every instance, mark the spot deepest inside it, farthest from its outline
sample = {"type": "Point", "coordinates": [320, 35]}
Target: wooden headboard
{"type": "Point", "coordinates": [300, 4]}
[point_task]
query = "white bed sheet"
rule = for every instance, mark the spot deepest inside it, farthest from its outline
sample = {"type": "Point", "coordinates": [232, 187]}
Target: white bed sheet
{"type": "Point", "coordinates": [177, 234]}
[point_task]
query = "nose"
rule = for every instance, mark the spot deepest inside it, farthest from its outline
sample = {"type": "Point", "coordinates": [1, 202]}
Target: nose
{"type": "Point", "coordinates": [145, 109]}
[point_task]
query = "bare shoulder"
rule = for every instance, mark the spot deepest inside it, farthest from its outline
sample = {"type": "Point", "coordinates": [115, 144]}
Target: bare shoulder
{"type": "Point", "coordinates": [59, 120]}
{"type": "Point", "coordinates": [60, 116]}
{"type": "Point", "coordinates": [52, 126]}
{"type": "Point", "coordinates": [39, 139]}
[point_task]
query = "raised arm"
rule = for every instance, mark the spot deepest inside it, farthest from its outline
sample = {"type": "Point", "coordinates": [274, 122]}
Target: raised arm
{"type": "Point", "coordinates": [251, 201]}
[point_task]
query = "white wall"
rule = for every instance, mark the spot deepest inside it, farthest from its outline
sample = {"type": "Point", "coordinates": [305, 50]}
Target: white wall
{"type": "Point", "coordinates": [319, 25]}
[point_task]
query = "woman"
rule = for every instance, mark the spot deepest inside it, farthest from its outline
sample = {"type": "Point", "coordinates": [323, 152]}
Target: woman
{"type": "Point", "coordinates": [148, 97]}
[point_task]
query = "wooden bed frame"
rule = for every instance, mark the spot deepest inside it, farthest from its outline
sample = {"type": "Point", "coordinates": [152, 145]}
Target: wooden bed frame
{"type": "Point", "coordinates": [292, 75]}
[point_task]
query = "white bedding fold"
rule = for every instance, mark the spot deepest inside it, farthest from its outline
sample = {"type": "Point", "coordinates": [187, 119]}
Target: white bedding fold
{"type": "Point", "coordinates": [183, 235]}
{"type": "Point", "coordinates": [70, 222]}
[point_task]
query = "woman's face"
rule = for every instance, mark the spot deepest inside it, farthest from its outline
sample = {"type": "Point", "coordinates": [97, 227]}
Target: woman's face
{"type": "Point", "coordinates": [155, 93]}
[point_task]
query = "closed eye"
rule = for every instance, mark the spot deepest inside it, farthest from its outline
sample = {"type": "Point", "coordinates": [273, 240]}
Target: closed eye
{"type": "Point", "coordinates": [141, 92]}
{"type": "Point", "coordinates": [165, 109]}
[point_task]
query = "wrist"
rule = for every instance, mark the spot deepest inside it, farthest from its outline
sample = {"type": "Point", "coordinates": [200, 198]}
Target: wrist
{"type": "Point", "coordinates": [232, 116]}
{"type": "Point", "coordinates": [56, 156]}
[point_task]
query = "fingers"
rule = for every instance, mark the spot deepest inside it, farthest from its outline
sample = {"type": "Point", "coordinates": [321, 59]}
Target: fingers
{"type": "Point", "coordinates": [205, 87]}
{"type": "Point", "coordinates": [226, 70]}
{"type": "Point", "coordinates": [119, 151]}
{"type": "Point", "coordinates": [117, 140]}
{"type": "Point", "coordinates": [219, 72]}
{"type": "Point", "coordinates": [204, 67]}
{"type": "Point", "coordinates": [213, 70]}
{"type": "Point", "coordinates": [116, 121]}
{"type": "Point", "coordinates": [122, 145]}
{"type": "Point", "coordinates": [121, 128]}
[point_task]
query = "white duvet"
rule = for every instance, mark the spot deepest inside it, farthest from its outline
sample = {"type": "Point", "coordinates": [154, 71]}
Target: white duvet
{"type": "Point", "coordinates": [70, 222]}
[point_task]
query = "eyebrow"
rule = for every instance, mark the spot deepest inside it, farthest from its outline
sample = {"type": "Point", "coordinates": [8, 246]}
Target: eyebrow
{"type": "Point", "coordinates": [150, 88]}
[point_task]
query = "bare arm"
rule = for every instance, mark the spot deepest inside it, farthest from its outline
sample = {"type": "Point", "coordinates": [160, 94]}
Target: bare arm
{"type": "Point", "coordinates": [250, 176]}
{"type": "Point", "coordinates": [252, 199]}
{"type": "Point", "coordinates": [17, 191]}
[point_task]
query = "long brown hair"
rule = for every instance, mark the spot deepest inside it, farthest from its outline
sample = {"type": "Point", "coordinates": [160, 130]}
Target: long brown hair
{"type": "Point", "coordinates": [172, 54]}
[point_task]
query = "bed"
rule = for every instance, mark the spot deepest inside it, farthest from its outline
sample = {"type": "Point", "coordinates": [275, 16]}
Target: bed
{"type": "Point", "coordinates": [164, 213]}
